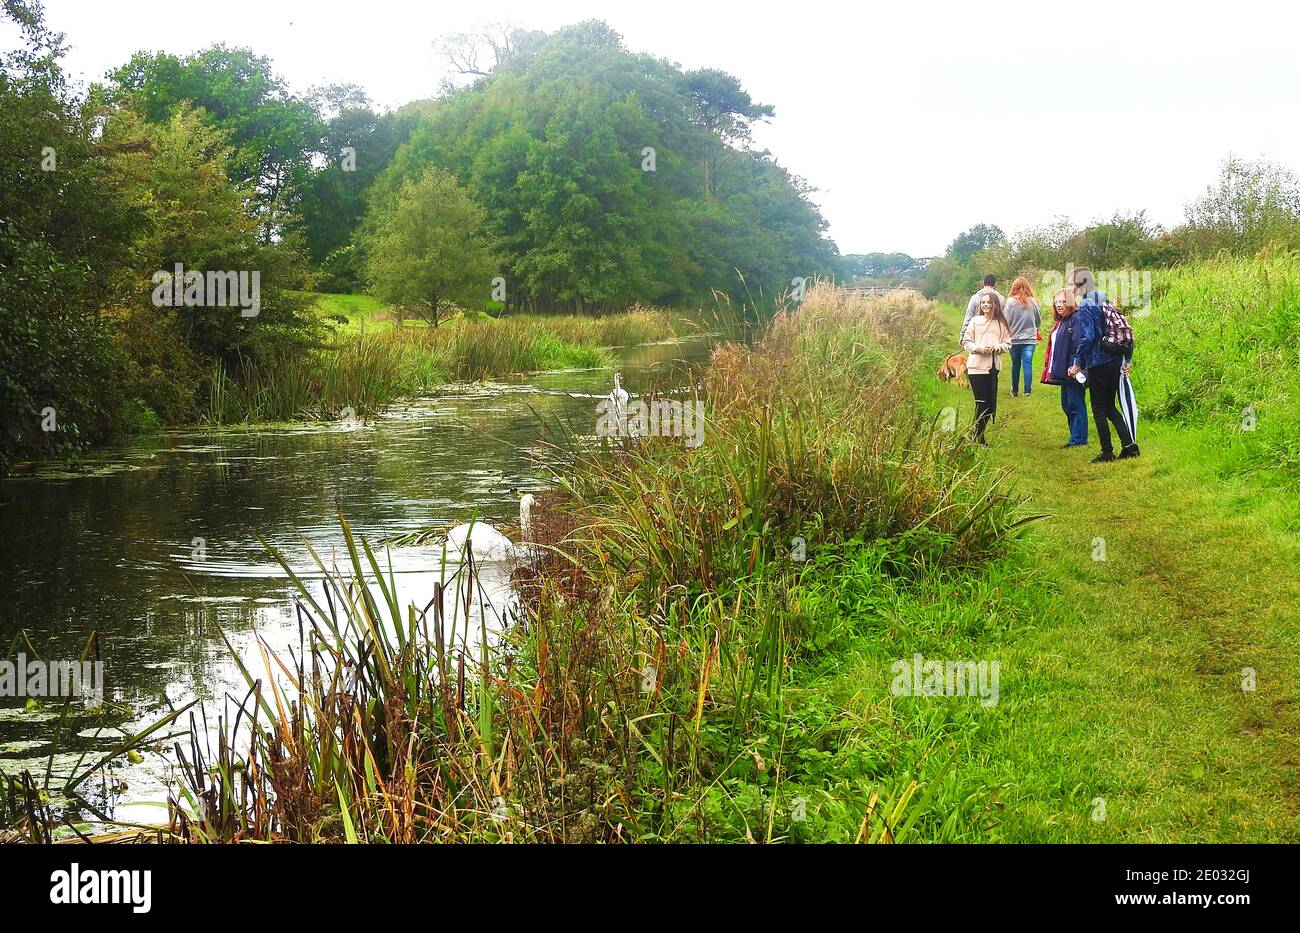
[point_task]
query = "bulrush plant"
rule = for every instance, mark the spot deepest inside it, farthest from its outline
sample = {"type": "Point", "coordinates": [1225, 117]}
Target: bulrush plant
{"type": "Point", "coordinates": [658, 688]}
{"type": "Point", "coordinates": [381, 728]}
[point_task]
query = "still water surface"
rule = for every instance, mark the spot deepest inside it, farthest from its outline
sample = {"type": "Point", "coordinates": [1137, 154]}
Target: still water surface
{"type": "Point", "coordinates": [155, 548]}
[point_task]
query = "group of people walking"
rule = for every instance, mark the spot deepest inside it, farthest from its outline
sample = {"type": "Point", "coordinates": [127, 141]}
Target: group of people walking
{"type": "Point", "coordinates": [1078, 358]}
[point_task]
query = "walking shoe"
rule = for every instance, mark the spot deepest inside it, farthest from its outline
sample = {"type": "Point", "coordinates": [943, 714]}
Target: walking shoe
{"type": "Point", "coordinates": [1104, 457]}
{"type": "Point", "coordinates": [1130, 451]}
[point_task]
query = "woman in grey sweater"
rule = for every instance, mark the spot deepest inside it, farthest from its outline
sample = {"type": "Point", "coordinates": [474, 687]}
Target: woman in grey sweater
{"type": "Point", "coordinates": [1025, 320]}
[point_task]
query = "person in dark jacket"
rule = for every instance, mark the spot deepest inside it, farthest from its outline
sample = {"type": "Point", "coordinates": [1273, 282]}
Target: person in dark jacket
{"type": "Point", "coordinates": [1102, 368]}
{"type": "Point", "coordinates": [1061, 343]}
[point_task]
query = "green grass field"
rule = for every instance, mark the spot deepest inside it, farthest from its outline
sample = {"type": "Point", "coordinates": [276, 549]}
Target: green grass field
{"type": "Point", "coordinates": [1123, 678]}
{"type": "Point", "coordinates": [357, 314]}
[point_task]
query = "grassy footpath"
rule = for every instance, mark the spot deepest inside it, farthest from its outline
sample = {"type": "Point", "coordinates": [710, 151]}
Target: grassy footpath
{"type": "Point", "coordinates": [685, 677]}
{"type": "Point", "coordinates": [1122, 679]}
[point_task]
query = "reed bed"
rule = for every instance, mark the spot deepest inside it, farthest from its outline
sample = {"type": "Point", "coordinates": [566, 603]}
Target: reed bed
{"type": "Point", "coordinates": [661, 685]}
{"type": "Point", "coordinates": [361, 373]}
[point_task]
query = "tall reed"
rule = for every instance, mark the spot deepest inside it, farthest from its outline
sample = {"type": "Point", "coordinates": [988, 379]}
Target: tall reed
{"type": "Point", "coordinates": [653, 693]}
{"type": "Point", "coordinates": [363, 372]}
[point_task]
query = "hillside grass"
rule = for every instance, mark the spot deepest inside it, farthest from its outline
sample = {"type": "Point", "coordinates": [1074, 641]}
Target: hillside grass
{"type": "Point", "coordinates": [1221, 350]}
{"type": "Point", "coordinates": [355, 313]}
{"type": "Point", "coordinates": [1123, 677]}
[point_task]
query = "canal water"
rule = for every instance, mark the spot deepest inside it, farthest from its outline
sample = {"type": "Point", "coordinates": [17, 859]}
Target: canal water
{"type": "Point", "coordinates": [154, 546]}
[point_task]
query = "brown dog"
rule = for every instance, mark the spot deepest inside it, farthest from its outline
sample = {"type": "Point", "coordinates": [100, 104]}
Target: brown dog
{"type": "Point", "coordinates": [954, 367]}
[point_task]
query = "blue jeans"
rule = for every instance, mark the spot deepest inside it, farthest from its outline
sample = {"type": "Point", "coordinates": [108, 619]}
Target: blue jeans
{"type": "Point", "coordinates": [1076, 411]}
{"type": "Point", "coordinates": [1022, 355]}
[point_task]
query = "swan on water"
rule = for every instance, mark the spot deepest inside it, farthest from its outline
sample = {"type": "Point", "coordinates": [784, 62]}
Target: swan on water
{"type": "Point", "coordinates": [488, 544]}
{"type": "Point", "coordinates": [618, 406]}
{"type": "Point", "coordinates": [618, 398]}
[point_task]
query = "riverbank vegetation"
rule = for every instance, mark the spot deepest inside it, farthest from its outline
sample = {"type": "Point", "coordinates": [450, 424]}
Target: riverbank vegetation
{"type": "Point", "coordinates": [713, 637]}
{"type": "Point", "coordinates": [1220, 350]}
{"type": "Point", "coordinates": [689, 602]}
{"type": "Point", "coordinates": [570, 175]}
{"type": "Point", "coordinates": [685, 676]}
{"type": "Point", "coordinates": [359, 373]}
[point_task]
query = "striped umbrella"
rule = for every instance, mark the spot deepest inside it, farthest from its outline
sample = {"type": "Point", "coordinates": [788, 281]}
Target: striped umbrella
{"type": "Point", "coordinates": [1128, 406]}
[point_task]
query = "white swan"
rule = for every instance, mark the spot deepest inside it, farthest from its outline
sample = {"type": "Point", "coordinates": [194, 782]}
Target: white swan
{"type": "Point", "coordinates": [618, 405]}
{"type": "Point", "coordinates": [618, 398]}
{"type": "Point", "coordinates": [488, 544]}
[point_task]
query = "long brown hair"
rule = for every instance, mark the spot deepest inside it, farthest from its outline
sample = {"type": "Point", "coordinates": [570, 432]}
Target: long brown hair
{"type": "Point", "coordinates": [998, 314]}
{"type": "Point", "coordinates": [1022, 291]}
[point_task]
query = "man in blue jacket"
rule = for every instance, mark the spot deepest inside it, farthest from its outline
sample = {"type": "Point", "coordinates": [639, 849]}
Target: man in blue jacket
{"type": "Point", "coordinates": [1103, 369]}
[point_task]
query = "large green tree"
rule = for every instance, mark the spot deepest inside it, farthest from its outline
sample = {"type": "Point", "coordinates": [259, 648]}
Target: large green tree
{"type": "Point", "coordinates": [726, 113]}
{"type": "Point", "coordinates": [357, 143]}
{"type": "Point", "coordinates": [429, 248]}
{"type": "Point", "coordinates": [978, 237]}
{"type": "Point", "coordinates": [65, 233]}
{"type": "Point", "coordinates": [95, 200]}
{"type": "Point", "coordinates": [274, 134]}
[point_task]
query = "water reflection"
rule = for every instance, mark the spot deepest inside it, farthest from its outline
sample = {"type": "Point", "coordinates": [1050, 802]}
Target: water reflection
{"type": "Point", "coordinates": [156, 547]}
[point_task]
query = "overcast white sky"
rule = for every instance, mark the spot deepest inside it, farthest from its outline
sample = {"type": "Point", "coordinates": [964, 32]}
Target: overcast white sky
{"type": "Point", "coordinates": [915, 120]}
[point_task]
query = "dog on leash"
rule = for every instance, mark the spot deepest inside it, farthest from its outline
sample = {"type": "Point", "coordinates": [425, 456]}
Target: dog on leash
{"type": "Point", "coordinates": [954, 367]}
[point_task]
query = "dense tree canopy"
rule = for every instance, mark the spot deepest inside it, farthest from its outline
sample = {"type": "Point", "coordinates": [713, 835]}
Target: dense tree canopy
{"type": "Point", "coordinates": [273, 132]}
{"type": "Point", "coordinates": [96, 199]}
{"type": "Point", "coordinates": [978, 237]}
{"type": "Point", "coordinates": [63, 229]}
{"type": "Point", "coordinates": [585, 176]}
{"type": "Point", "coordinates": [589, 161]}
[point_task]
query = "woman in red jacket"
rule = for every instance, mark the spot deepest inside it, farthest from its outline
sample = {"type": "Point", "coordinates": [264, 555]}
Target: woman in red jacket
{"type": "Point", "coordinates": [1061, 346]}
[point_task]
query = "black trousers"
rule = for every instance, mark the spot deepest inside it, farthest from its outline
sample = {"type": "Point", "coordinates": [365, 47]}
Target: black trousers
{"type": "Point", "coordinates": [1103, 393]}
{"type": "Point", "coordinates": [984, 386]}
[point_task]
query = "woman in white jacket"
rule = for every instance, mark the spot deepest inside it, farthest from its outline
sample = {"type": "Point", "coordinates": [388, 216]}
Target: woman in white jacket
{"type": "Point", "coordinates": [987, 337]}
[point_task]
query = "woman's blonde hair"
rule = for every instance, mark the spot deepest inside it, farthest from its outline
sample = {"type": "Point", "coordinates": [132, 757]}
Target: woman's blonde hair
{"type": "Point", "coordinates": [1070, 301]}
